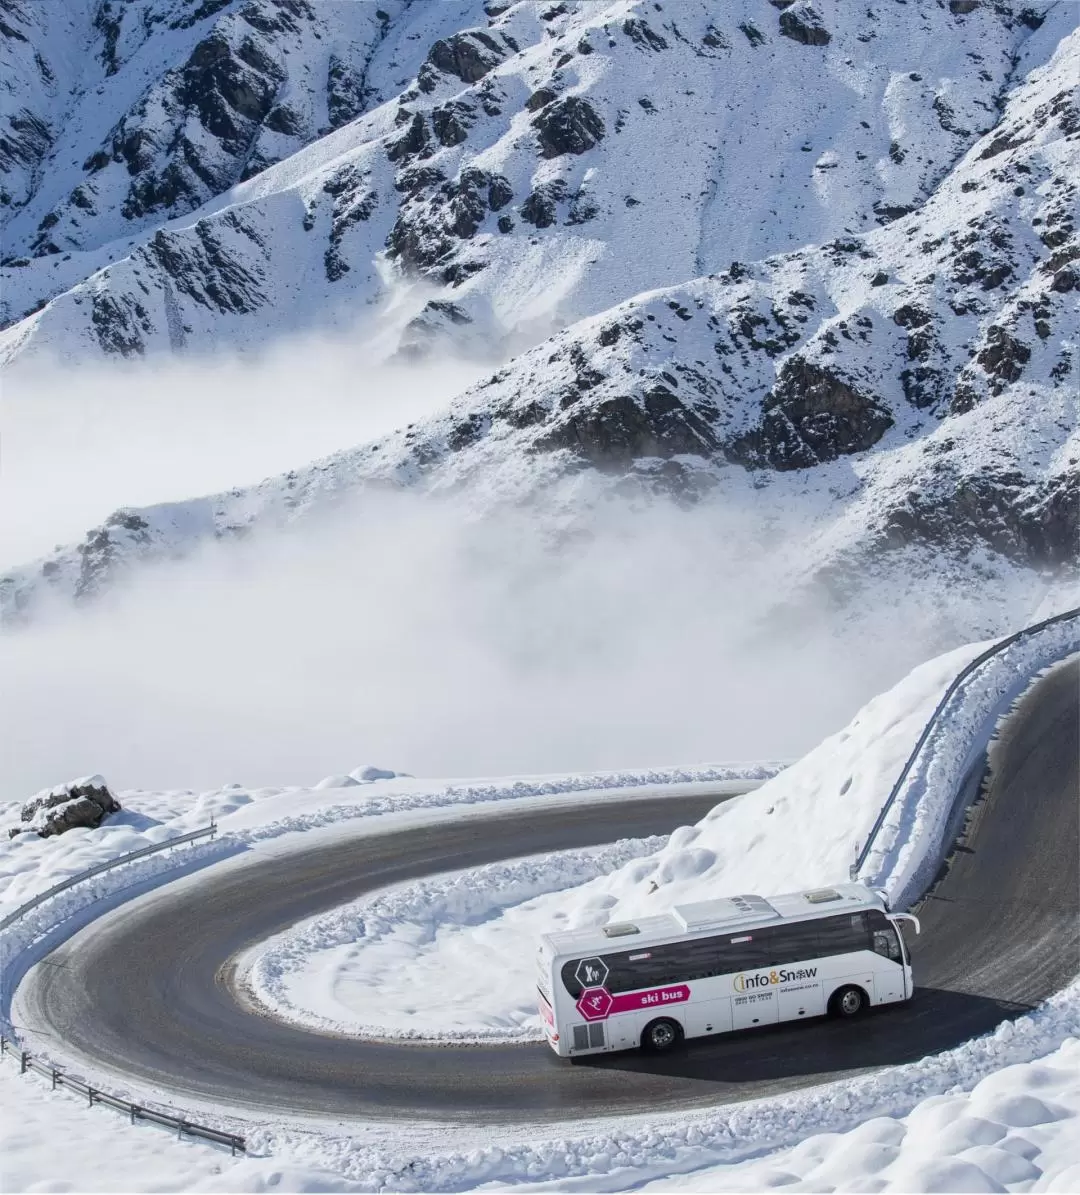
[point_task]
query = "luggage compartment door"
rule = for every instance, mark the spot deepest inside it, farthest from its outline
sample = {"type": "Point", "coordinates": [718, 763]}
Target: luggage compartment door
{"type": "Point", "coordinates": [755, 1008]}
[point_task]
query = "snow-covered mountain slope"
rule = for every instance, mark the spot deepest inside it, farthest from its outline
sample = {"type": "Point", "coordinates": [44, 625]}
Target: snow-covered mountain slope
{"type": "Point", "coordinates": [914, 385]}
{"type": "Point", "coordinates": [532, 162]}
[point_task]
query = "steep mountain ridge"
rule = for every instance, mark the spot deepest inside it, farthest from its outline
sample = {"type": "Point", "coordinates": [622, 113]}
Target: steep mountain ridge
{"type": "Point", "coordinates": [534, 163]}
{"type": "Point", "coordinates": [909, 390]}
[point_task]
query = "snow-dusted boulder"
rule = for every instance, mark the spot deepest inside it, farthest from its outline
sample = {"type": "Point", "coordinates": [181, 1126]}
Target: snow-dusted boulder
{"type": "Point", "coordinates": [368, 772]}
{"type": "Point", "coordinates": [84, 802]}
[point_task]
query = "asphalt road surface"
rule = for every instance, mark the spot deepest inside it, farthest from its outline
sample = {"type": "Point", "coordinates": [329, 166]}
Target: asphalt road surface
{"type": "Point", "coordinates": [147, 990]}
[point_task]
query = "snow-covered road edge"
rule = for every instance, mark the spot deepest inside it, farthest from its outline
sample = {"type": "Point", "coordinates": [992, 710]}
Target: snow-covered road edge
{"type": "Point", "coordinates": [908, 849]}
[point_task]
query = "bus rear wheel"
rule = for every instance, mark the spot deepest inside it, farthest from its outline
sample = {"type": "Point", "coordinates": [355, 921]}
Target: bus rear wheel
{"type": "Point", "coordinates": [660, 1035]}
{"type": "Point", "coordinates": [847, 1002]}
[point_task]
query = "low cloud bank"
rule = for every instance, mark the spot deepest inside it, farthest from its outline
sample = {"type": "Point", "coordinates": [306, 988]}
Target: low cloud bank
{"type": "Point", "coordinates": [78, 444]}
{"type": "Point", "coordinates": [402, 629]}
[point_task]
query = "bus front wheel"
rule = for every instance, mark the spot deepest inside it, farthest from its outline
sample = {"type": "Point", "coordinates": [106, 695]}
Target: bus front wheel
{"type": "Point", "coordinates": [847, 1002]}
{"type": "Point", "coordinates": [660, 1035]}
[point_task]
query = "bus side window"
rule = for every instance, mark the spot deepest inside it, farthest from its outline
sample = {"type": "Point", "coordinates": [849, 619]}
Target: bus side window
{"type": "Point", "coordinates": [789, 943]}
{"type": "Point", "coordinates": [843, 935]}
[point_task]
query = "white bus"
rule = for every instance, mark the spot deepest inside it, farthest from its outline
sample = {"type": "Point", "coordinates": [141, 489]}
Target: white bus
{"type": "Point", "coordinates": [721, 965]}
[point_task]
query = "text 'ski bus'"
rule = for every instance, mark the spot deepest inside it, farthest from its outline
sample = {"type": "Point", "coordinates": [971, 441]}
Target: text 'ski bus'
{"type": "Point", "coordinates": [721, 965]}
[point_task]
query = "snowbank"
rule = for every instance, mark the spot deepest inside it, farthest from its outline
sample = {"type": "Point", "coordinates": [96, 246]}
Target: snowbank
{"type": "Point", "coordinates": [395, 956]}
{"type": "Point", "coordinates": [905, 854]}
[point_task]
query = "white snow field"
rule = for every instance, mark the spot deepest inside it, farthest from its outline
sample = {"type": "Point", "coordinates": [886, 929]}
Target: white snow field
{"type": "Point", "coordinates": [999, 1113]}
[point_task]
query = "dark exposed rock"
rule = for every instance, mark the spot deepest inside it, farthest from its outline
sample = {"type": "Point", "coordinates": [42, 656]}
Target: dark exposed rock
{"type": "Point", "coordinates": [1035, 526]}
{"type": "Point", "coordinates": [909, 315]}
{"type": "Point", "coordinates": [419, 339]}
{"type": "Point", "coordinates": [120, 322]}
{"type": "Point", "coordinates": [570, 125]}
{"type": "Point", "coordinates": [347, 93]}
{"type": "Point", "coordinates": [640, 31]}
{"type": "Point", "coordinates": [426, 231]}
{"type": "Point", "coordinates": [617, 431]}
{"type": "Point", "coordinates": [354, 202]}
{"type": "Point", "coordinates": [752, 34]}
{"type": "Point", "coordinates": [499, 192]}
{"type": "Point", "coordinates": [468, 206]}
{"type": "Point", "coordinates": [415, 140]}
{"type": "Point", "coordinates": [962, 7]}
{"type": "Point", "coordinates": [415, 179]}
{"type": "Point", "coordinates": [539, 208]}
{"type": "Point", "coordinates": [582, 208]}
{"type": "Point", "coordinates": [1003, 357]}
{"type": "Point", "coordinates": [283, 120]}
{"type": "Point", "coordinates": [1065, 280]}
{"type": "Point", "coordinates": [811, 416]}
{"type": "Point", "coordinates": [923, 386]}
{"type": "Point", "coordinates": [452, 122]}
{"type": "Point", "coordinates": [802, 23]}
{"type": "Point", "coordinates": [26, 140]}
{"type": "Point", "coordinates": [540, 99]}
{"type": "Point", "coordinates": [469, 55]}
{"type": "Point", "coordinates": [84, 802]}
{"type": "Point", "coordinates": [221, 86]}
{"type": "Point", "coordinates": [205, 269]}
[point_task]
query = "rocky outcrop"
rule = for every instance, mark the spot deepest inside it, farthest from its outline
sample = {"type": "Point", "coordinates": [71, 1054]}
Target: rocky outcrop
{"type": "Point", "coordinates": [811, 416]}
{"type": "Point", "coordinates": [803, 23]}
{"type": "Point", "coordinates": [468, 55]}
{"type": "Point", "coordinates": [568, 126]}
{"type": "Point", "coordinates": [81, 803]}
{"type": "Point", "coordinates": [615, 432]}
{"type": "Point", "coordinates": [224, 104]}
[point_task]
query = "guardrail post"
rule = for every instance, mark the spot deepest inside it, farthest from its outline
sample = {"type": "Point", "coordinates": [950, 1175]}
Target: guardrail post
{"type": "Point", "coordinates": [90, 1093]}
{"type": "Point", "coordinates": [24, 1062]}
{"type": "Point", "coordinates": [53, 1076]}
{"type": "Point", "coordinates": [133, 1109]}
{"type": "Point", "coordinates": [3, 1046]}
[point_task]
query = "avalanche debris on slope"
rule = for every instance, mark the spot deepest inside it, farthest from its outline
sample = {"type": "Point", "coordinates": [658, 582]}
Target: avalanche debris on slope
{"type": "Point", "coordinates": [912, 387]}
{"type": "Point", "coordinates": [536, 163]}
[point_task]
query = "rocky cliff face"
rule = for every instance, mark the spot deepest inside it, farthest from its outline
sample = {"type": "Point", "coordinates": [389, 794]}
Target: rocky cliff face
{"type": "Point", "coordinates": [914, 384]}
{"type": "Point", "coordinates": [189, 172]}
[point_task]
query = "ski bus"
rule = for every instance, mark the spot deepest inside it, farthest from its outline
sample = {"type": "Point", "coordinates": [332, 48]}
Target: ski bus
{"type": "Point", "coordinates": [721, 965]}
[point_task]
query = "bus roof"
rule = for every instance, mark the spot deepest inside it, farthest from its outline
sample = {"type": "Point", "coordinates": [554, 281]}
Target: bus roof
{"type": "Point", "coordinates": [715, 916]}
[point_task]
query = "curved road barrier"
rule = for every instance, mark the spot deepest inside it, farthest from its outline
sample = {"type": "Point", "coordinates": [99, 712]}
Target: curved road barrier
{"type": "Point", "coordinates": [205, 832]}
{"type": "Point", "coordinates": [951, 744]}
{"type": "Point", "coordinates": [136, 1112]}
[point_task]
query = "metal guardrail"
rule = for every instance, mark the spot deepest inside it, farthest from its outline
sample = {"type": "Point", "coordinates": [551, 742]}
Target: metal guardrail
{"type": "Point", "coordinates": [928, 729]}
{"type": "Point", "coordinates": [56, 889]}
{"type": "Point", "coordinates": [95, 1095]}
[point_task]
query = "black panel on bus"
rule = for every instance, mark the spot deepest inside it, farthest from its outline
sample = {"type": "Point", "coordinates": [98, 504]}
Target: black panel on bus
{"type": "Point", "coordinates": [725, 954]}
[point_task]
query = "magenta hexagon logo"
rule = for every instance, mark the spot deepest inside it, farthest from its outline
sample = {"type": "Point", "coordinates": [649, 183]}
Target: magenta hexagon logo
{"type": "Point", "coordinates": [594, 1004]}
